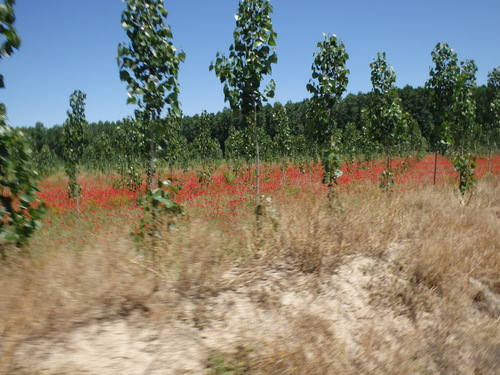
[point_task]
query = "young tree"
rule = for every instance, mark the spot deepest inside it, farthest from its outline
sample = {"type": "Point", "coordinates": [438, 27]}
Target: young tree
{"type": "Point", "coordinates": [328, 83]}
{"type": "Point", "coordinates": [132, 151]}
{"type": "Point", "coordinates": [173, 145]}
{"type": "Point", "coordinates": [19, 214]}
{"type": "Point", "coordinates": [442, 84]}
{"type": "Point", "coordinates": [388, 121]}
{"type": "Point", "coordinates": [462, 131]}
{"type": "Point", "coordinates": [205, 151]}
{"type": "Point", "coordinates": [150, 64]}
{"type": "Point", "coordinates": [236, 148]}
{"type": "Point", "coordinates": [250, 59]}
{"type": "Point", "coordinates": [452, 86]}
{"type": "Point", "coordinates": [98, 155]}
{"type": "Point", "coordinates": [282, 139]}
{"type": "Point", "coordinates": [493, 128]}
{"type": "Point", "coordinates": [350, 143]}
{"type": "Point", "coordinates": [73, 137]}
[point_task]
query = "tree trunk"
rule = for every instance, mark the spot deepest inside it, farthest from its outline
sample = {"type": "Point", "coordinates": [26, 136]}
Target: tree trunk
{"type": "Point", "coordinates": [77, 194]}
{"type": "Point", "coordinates": [489, 158]}
{"type": "Point", "coordinates": [258, 210]}
{"type": "Point", "coordinates": [152, 183]}
{"type": "Point", "coordinates": [387, 167]}
{"type": "Point", "coordinates": [152, 155]}
{"type": "Point", "coordinates": [435, 165]}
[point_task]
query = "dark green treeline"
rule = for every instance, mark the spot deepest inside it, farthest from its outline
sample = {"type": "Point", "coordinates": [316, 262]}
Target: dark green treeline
{"type": "Point", "coordinates": [117, 146]}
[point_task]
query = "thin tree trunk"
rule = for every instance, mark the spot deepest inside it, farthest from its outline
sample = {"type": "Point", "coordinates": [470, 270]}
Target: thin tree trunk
{"type": "Point", "coordinates": [152, 155]}
{"type": "Point", "coordinates": [152, 184]}
{"type": "Point", "coordinates": [285, 168]}
{"type": "Point", "coordinates": [258, 210]}
{"type": "Point", "coordinates": [489, 159]}
{"type": "Point", "coordinates": [435, 165]}
{"type": "Point", "coordinates": [388, 171]}
{"type": "Point", "coordinates": [77, 194]}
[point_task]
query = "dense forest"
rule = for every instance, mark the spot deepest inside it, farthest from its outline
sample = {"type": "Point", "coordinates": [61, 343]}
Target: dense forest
{"type": "Point", "coordinates": [212, 137]}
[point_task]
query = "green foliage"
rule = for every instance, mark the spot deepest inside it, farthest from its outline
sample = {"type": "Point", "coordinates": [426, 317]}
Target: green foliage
{"type": "Point", "coordinates": [350, 145]}
{"type": "Point", "coordinates": [229, 176]}
{"type": "Point", "coordinates": [462, 131]}
{"type": "Point", "coordinates": [45, 161]}
{"type": "Point", "coordinates": [465, 164]}
{"type": "Point", "coordinates": [20, 210]}
{"type": "Point", "coordinates": [388, 121]}
{"type": "Point", "coordinates": [160, 211]}
{"type": "Point", "coordinates": [173, 146]}
{"type": "Point", "coordinates": [150, 65]}
{"type": "Point", "coordinates": [98, 155]}
{"type": "Point", "coordinates": [205, 151]}
{"type": "Point", "coordinates": [495, 125]}
{"type": "Point", "coordinates": [452, 86]}
{"type": "Point", "coordinates": [237, 363]}
{"type": "Point", "coordinates": [282, 140]}
{"type": "Point", "coordinates": [328, 83]}
{"type": "Point", "coordinates": [442, 85]}
{"type": "Point", "coordinates": [416, 102]}
{"type": "Point", "coordinates": [493, 128]}
{"type": "Point", "coordinates": [250, 57]}
{"type": "Point", "coordinates": [494, 80]}
{"type": "Point", "coordinates": [73, 138]}
{"type": "Point", "coordinates": [386, 179]}
{"type": "Point", "coordinates": [10, 40]}
{"type": "Point", "coordinates": [132, 152]}
{"type": "Point", "coordinates": [239, 145]}
{"type": "Point", "coordinates": [204, 148]}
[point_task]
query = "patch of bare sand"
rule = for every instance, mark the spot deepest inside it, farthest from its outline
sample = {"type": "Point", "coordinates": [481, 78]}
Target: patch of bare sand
{"type": "Point", "coordinates": [259, 308]}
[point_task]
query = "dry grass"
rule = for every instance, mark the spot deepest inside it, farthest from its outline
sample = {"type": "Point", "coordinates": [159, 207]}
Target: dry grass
{"type": "Point", "coordinates": [434, 289]}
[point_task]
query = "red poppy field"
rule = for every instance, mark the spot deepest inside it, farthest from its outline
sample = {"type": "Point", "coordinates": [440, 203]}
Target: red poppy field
{"type": "Point", "coordinates": [228, 202]}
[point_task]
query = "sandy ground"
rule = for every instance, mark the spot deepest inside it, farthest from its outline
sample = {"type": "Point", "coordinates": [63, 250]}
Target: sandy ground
{"type": "Point", "coordinates": [259, 308]}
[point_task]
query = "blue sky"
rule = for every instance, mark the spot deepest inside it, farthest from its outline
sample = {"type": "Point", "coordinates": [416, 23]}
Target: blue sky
{"type": "Point", "coordinates": [72, 44]}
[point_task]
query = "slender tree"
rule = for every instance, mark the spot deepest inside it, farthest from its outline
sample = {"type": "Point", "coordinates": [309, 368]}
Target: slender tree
{"type": "Point", "coordinates": [73, 138]}
{"type": "Point", "coordinates": [493, 129]}
{"type": "Point", "coordinates": [282, 140]}
{"type": "Point", "coordinates": [150, 65]}
{"type": "Point", "coordinates": [388, 121]}
{"type": "Point", "coordinates": [205, 151]}
{"type": "Point", "coordinates": [328, 83]}
{"type": "Point", "coordinates": [351, 137]}
{"type": "Point", "coordinates": [462, 131]}
{"type": "Point", "coordinates": [442, 84]}
{"type": "Point", "coordinates": [132, 152]}
{"type": "Point", "coordinates": [250, 59]}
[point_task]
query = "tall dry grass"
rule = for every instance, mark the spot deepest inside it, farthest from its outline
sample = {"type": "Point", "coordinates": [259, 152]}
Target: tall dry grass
{"type": "Point", "coordinates": [443, 253]}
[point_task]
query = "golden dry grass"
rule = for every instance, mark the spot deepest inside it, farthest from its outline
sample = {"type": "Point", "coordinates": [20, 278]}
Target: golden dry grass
{"type": "Point", "coordinates": [434, 270]}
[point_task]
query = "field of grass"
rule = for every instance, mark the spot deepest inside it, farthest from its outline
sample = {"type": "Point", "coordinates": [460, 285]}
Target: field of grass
{"type": "Point", "coordinates": [408, 284]}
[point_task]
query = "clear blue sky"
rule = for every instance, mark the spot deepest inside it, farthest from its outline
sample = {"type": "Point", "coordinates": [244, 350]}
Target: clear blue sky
{"type": "Point", "coordinates": [72, 44]}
